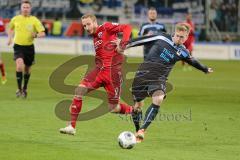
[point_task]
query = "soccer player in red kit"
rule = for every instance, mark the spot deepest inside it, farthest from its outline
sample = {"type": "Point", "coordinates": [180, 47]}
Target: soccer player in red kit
{"type": "Point", "coordinates": [190, 41]}
{"type": "Point", "coordinates": [4, 79]}
{"type": "Point", "coordinates": [107, 72]}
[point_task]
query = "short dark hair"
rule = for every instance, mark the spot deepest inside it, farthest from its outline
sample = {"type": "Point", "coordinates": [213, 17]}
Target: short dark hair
{"type": "Point", "coordinates": [152, 8]}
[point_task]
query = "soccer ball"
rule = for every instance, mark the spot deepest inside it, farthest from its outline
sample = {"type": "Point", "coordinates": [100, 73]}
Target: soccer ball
{"type": "Point", "coordinates": [126, 140]}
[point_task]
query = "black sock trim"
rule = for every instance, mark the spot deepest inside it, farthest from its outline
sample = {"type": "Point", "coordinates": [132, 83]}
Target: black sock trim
{"type": "Point", "coordinates": [155, 106]}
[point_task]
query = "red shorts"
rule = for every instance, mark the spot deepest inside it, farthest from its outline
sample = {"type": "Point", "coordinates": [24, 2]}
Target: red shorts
{"type": "Point", "coordinates": [109, 78]}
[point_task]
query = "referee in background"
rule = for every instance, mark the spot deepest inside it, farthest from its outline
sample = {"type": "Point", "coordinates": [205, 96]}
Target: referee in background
{"type": "Point", "coordinates": [151, 27]}
{"type": "Point", "coordinates": [25, 28]}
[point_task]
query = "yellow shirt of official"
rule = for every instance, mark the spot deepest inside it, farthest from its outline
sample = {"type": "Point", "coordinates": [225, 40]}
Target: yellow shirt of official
{"type": "Point", "coordinates": [57, 28]}
{"type": "Point", "coordinates": [24, 27]}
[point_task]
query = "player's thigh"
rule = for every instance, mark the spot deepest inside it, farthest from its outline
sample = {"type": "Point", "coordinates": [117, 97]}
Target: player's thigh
{"type": "Point", "coordinates": [19, 64]}
{"type": "Point", "coordinates": [113, 92]}
{"type": "Point", "coordinates": [81, 90]}
{"type": "Point", "coordinates": [139, 89]}
{"type": "Point", "coordinates": [18, 53]}
{"type": "Point", "coordinates": [29, 55]}
{"type": "Point", "coordinates": [112, 84]}
{"type": "Point", "coordinates": [157, 90]}
{"type": "Point", "coordinates": [92, 80]}
{"type": "Point", "coordinates": [158, 97]}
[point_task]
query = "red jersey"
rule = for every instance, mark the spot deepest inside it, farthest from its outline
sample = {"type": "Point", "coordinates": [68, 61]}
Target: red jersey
{"type": "Point", "coordinates": [2, 28]}
{"type": "Point", "coordinates": [189, 42]}
{"type": "Point", "coordinates": [106, 54]}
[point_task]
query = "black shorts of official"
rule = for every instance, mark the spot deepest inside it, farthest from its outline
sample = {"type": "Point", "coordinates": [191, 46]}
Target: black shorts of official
{"type": "Point", "coordinates": [145, 84]}
{"type": "Point", "coordinates": [27, 53]}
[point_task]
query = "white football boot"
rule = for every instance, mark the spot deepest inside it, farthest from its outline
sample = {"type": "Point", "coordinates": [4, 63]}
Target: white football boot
{"type": "Point", "coordinates": [68, 130]}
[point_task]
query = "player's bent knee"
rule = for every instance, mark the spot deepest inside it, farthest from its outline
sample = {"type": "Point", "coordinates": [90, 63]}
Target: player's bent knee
{"type": "Point", "coordinates": [82, 85]}
{"type": "Point", "coordinates": [19, 65]}
{"type": "Point", "coordinates": [114, 108]}
{"type": "Point", "coordinates": [19, 61]}
{"type": "Point", "coordinates": [80, 91]}
{"type": "Point", "coordinates": [138, 104]}
{"type": "Point", "coordinates": [158, 97]}
{"type": "Point", "coordinates": [157, 100]}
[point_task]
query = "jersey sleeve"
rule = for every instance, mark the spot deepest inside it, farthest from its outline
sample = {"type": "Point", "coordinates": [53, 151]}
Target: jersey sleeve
{"type": "Point", "coordinates": [183, 51]}
{"type": "Point", "coordinates": [11, 24]}
{"type": "Point", "coordinates": [192, 61]}
{"type": "Point", "coordinates": [164, 28]}
{"type": "Point", "coordinates": [141, 31]}
{"type": "Point", "coordinates": [195, 63]}
{"type": "Point", "coordinates": [38, 26]}
{"type": "Point", "coordinates": [144, 40]}
{"type": "Point", "coordinates": [115, 28]}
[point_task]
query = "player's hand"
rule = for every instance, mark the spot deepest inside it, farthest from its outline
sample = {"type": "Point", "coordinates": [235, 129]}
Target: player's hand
{"type": "Point", "coordinates": [34, 35]}
{"type": "Point", "coordinates": [9, 41]}
{"type": "Point", "coordinates": [149, 34]}
{"type": "Point", "coordinates": [119, 48]}
{"type": "Point", "coordinates": [210, 70]}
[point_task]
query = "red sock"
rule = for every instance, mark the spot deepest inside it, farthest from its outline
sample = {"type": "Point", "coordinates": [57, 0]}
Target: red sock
{"type": "Point", "coordinates": [125, 108]}
{"type": "Point", "coordinates": [76, 107]}
{"type": "Point", "coordinates": [2, 69]}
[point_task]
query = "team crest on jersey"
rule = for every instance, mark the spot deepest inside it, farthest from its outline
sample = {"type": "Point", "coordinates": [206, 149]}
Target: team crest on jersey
{"type": "Point", "coordinates": [100, 35]}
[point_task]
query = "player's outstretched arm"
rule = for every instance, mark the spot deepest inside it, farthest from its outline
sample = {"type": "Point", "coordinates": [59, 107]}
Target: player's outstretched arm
{"type": "Point", "coordinates": [195, 63]}
{"type": "Point", "coordinates": [143, 40]}
{"type": "Point", "coordinates": [10, 36]}
{"type": "Point", "coordinates": [115, 28]}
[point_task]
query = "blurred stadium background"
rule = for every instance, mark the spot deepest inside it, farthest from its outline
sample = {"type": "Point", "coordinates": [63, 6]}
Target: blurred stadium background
{"type": "Point", "coordinates": [215, 21]}
{"type": "Point", "coordinates": [29, 128]}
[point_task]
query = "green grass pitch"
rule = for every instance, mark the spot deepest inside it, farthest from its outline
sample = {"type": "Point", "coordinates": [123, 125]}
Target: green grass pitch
{"type": "Point", "coordinates": [199, 120]}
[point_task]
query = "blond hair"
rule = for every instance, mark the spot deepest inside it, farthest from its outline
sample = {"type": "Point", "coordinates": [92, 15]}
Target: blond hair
{"type": "Point", "coordinates": [183, 27]}
{"type": "Point", "coordinates": [26, 1]}
{"type": "Point", "coordinates": [91, 16]}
